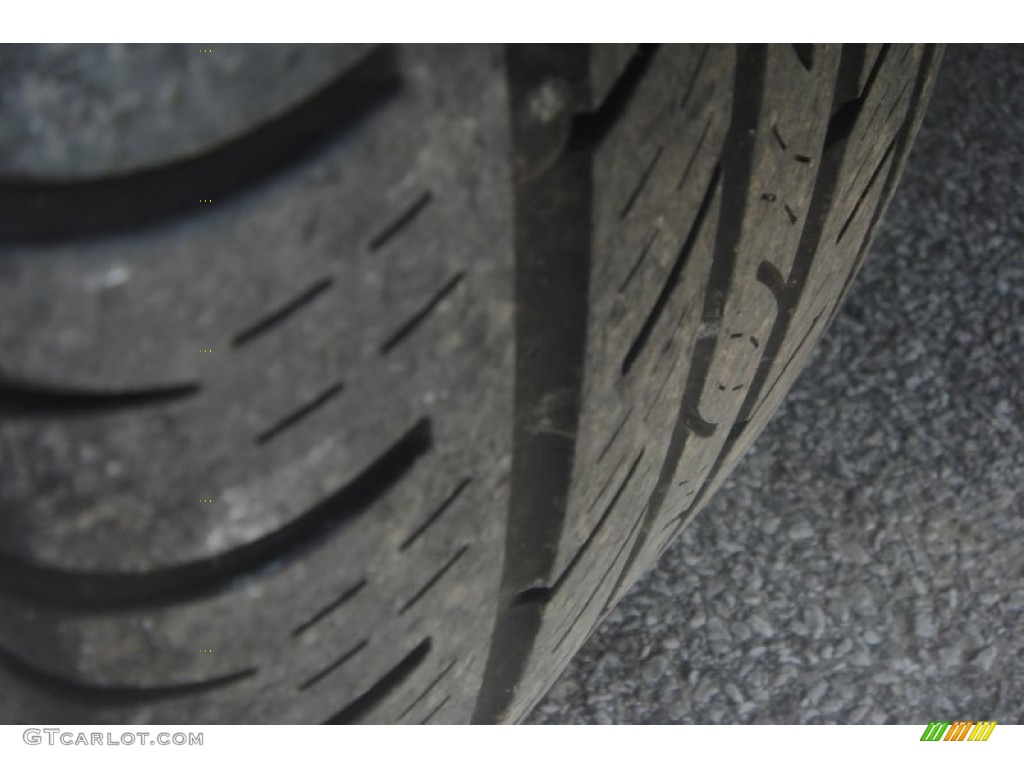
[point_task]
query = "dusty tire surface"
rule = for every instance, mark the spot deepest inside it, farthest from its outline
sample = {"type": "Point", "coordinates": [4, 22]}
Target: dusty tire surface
{"type": "Point", "coordinates": [366, 396]}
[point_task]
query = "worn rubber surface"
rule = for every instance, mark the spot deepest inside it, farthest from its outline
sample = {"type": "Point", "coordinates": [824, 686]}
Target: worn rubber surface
{"type": "Point", "coordinates": [363, 399]}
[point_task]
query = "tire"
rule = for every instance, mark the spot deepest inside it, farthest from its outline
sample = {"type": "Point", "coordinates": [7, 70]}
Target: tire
{"type": "Point", "coordinates": [365, 396]}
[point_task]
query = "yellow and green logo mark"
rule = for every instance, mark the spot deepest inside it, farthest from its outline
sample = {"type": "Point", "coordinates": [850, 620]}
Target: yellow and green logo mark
{"type": "Point", "coordinates": [959, 730]}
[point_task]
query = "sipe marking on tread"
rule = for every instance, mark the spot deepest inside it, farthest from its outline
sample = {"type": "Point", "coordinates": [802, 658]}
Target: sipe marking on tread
{"type": "Point", "coordinates": [693, 78]}
{"type": "Point", "coordinates": [694, 154]}
{"type": "Point", "coordinates": [741, 424]}
{"type": "Point", "coordinates": [281, 314]}
{"type": "Point", "coordinates": [414, 322]}
{"type": "Point", "coordinates": [672, 523]}
{"type": "Point", "coordinates": [30, 400]}
{"type": "Point", "coordinates": [393, 679]}
{"type": "Point", "coordinates": [433, 580]}
{"type": "Point", "coordinates": [606, 484]}
{"type": "Point", "coordinates": [600, 584]}
{"type": "Point", "coordinates": [615, 434]}
{"type": "Point", "coordinates": [37, 211]}
{"type": "Point", "coordinates": [673, 276]}
{"type": "Point", "coordinates": [778, 137]}
{"type": "Point", "coordinates": [402, 221]}
{"type": "Point", "coordinates": [667, 345]}
{"type": "Point", "coordinates": [644, 178]}
{"type": "Point", "coordinates": [683, 312]}
{"type": "Point", "coordinates": [640, 260]}
{"type": "Point", "coordinates": [113, 695]}
{"type": "Point", "coordinates": [300, 413]}
{"type": "Point", "coordinates": [855, 181]}
{"type": "Point", "coordinates": [333, 665]}
{"type": "Point", "coordinates": [546, 593]}
{"type": "Point", "coordinates": [661, 387]}
{"type": "Point", "coordinates": [434, 711]}
{"type": "Point", "coordinates": [434, 516]}
{"type": "Point", "coordinates": [347, 595]}
{"type": "Point", "coordinates": [867, 190]}
{"type": "Point", "coordinates": [782, 145]}
{"type": "Point", "coordinates": [84, 591]}
{"type": "Point", "coordinates": [426, 691]}
{"type": "Point", "coordinates": [896, 102]}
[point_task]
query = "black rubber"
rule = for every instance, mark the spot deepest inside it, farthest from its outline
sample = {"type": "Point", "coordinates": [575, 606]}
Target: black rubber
{"type": "Point", "coordinates": [370, 409]}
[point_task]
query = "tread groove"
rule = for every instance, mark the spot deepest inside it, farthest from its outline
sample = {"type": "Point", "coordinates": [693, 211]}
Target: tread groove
{"type": "Point", "coordinates": [553, 197]}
